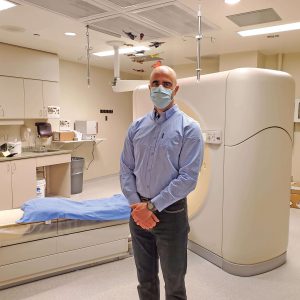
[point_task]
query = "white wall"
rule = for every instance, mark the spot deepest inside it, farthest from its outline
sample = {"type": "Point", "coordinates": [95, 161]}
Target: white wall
{"type": "Point", "coordinates": [231, 61]}
{"type": "Point", "coordinates": [291, 64]}
{"type": "Point", "coordinates": [78, 102]}
{"type": "Point", "coordinates": [208, 65]}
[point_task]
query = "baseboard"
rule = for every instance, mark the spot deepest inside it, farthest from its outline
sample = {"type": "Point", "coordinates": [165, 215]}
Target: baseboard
{"type": "Point", "coordinates": [243, 270]}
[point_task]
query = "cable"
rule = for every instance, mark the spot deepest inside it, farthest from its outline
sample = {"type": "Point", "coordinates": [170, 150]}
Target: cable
{"type": "Point", "coordinates": [93, 156]}
{"type": "Point", "coordinates": [88, 55]}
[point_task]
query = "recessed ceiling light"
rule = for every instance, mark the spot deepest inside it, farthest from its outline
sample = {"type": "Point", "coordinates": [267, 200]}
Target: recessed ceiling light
{"type": "Point", "coordinates": [6, 4]}
{"type": "Point", "coordinates": [70, 33]}
{"type": "Point", "coordinates": [122, 51]}
{"type": "Point", "coordinates": [232, 1]}
{"type": "Point", "coordinates": [270, 29]}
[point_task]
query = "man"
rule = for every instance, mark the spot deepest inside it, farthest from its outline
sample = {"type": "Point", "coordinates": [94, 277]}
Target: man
{"type": "Point", "coordinates": [160, 164]}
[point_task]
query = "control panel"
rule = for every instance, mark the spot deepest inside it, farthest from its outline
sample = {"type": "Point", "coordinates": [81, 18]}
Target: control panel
{"type": "Point", "coordinates": [212, 136]}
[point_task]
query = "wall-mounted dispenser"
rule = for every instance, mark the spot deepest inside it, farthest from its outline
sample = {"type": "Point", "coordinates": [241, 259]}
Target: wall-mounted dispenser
{"type": "Point", "coordinates": [44, 129]}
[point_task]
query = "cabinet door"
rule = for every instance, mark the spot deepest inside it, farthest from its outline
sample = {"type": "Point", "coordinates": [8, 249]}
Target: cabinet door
{"type": "Point", "coordinates": [5, 186]}
{"type": "Point", "coordinates": [33, 99]}
{"type": "Point", "coordinates": [23, 181]}
{"type": "Point", "coordinates": [50, 93]}
{"type": "Point", "coordinates": [11, 98]}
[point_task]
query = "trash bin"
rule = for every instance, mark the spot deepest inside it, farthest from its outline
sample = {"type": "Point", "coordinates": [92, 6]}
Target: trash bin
{"type": "Point", "coordinates": [77, 164]}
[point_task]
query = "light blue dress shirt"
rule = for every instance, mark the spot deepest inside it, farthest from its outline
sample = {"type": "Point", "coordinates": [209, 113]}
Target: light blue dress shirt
{"type": "Point", "coordinates": [161, 158]}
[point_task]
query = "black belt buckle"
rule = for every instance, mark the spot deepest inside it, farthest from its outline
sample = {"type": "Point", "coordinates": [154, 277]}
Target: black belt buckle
{"type": "Point", "coordinates": [144, 199]}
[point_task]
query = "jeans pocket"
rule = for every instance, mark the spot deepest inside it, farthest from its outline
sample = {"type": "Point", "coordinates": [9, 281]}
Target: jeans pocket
{"type": "Point", "coordinates": [168, 211]}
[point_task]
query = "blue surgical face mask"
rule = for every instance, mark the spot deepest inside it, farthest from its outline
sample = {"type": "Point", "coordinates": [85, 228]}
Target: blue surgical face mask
{"type": "Point", "coordinates": [161, 97]}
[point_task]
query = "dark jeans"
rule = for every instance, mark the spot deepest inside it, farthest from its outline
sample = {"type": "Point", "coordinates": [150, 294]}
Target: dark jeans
{"type": "Point", "coordinates": [167, 241]}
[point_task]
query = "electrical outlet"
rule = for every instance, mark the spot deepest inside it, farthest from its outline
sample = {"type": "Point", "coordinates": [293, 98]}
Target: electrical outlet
{"type": "Point", "coordinates": [106, 111]}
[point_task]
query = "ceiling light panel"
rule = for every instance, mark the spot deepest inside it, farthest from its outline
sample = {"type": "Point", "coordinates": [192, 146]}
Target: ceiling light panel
{"type": "Point", "coordinates": [72, 8]}
{"type": "Point", "coordinates": [70, 33]}
{"type": "Point", "coordinates": [255, 17]}
{"type": "Point", "coordinates": [122, 51]}
{"type": "Point", "coordinates": [270, 29]}
{"type": "Point", "coordinates": [175, 19]}
{"type": "Point", "coordinates": [120, 24]}
{"type": "Point", "coordinates": [6, 4]}
{"type": "Point", "coordinates": [232, 1]}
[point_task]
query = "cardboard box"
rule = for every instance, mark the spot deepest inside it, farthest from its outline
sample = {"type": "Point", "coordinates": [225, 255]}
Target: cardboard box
{"type": "Point", "coordinates": [295, 188]}
{"type": "Point", "coordinates": [295, 195]}
{"type": "Point", "coordinates": [63, 136]}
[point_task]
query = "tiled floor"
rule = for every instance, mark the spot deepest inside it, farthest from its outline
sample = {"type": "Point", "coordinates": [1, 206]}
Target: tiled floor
{"type": "Point", "coordinates": [117, 280]}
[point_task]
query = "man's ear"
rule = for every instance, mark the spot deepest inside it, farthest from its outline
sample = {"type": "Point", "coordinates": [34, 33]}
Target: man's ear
{"type": "Point", "coordinates": [176, 90]}
{"type": "Point", "coordinates": [149, 87]}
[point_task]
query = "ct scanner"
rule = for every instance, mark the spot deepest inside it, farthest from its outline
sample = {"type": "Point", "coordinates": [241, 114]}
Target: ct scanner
{"type": "Point", "coordinates": [239, 212]}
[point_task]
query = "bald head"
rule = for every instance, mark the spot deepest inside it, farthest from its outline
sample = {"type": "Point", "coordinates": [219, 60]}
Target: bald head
{"type": "Point", "coordinates": [166, 77]}
{"type": "Point", "coordinates": [166, 71]}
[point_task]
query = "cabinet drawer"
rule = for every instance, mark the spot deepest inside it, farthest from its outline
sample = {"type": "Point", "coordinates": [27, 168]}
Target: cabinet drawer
{"type": "Point", "coordinates": [92, 237]}
{"type": "Point", "coordinates": [53, 160]}
{"type": "Point", "coordinates": [25, 251]}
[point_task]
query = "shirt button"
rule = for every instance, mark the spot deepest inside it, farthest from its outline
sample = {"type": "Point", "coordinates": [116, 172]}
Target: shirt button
{"type": "Point", "coordinates": [148, 186]}
{"type": "Point", "coordinates": [152, 153]}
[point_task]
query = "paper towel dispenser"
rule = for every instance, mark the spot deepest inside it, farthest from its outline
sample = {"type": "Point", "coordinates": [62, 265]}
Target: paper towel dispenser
{"type": "Point", "coordinates": [44, 129]}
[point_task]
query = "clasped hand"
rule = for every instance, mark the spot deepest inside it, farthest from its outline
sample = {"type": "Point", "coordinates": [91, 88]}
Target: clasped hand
{"type": "Point", "coordinates": [142, 216]}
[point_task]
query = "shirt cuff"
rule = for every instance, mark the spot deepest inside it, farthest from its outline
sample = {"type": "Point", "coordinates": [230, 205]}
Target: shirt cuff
{"type": "Point", "coordinates": [133, 198]}
{"type": "Point", "coordinates": [158, 201]}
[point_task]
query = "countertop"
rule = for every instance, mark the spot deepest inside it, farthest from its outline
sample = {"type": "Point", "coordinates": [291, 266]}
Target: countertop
{"type": "Point", "coordinates": [28, 154]}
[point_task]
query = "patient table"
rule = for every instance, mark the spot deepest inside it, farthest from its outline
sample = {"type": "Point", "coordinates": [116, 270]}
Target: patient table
{"type": "Point", "coordinates": [38, 250]}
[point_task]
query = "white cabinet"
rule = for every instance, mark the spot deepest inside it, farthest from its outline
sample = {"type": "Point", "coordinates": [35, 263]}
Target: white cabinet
{"type": "Point", "coordinates": [5, 186]}
{"type": "Point", "coordinates": [11, 98]}
{"type": "Point", "coordinates": [50, 93]}
{"type": "Point", "coordinates": [38, 96]}
{"type": "Point", "coordinates": [26, 98]}
{"type": "Point", "coordinates": [34, 104]}
{"type": "Point", "coordinates": [23, 174]}
{"type": "Point", "coordinates": [18, 182]}
{"type": "Point", "coordinates": [28, 63]}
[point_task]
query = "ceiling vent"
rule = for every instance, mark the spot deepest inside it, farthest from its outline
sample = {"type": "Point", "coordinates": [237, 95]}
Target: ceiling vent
{"type": "Point", "coordinates": [255, 17]}
{"type": "Point", "coordinates": [120, 24]}
{"type": "Point", "coordinates": [129, 3]}
{"type": "Point", "coordinates": [152, 18]}
{"type": "Point", "coordinates": [175, 18]}
{"type": "Point", "coordinates": [72, 8]}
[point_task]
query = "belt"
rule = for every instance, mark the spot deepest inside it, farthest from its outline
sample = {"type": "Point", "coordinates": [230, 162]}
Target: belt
{"type": "Point", "coordinates": [144, 199]}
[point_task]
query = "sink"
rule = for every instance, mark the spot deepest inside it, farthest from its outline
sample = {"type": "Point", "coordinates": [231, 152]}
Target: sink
{"type": "Point", "coordinates": [45, 150]}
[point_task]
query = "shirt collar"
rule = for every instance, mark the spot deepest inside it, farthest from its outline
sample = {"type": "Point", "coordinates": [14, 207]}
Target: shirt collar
{"type": "Point", "coordinates": [164, 115]}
